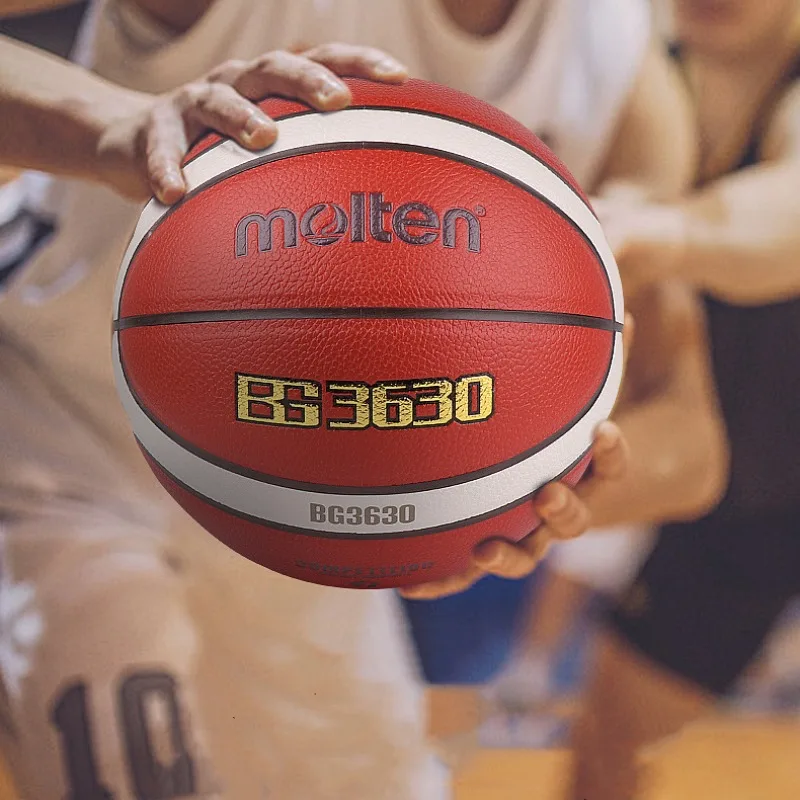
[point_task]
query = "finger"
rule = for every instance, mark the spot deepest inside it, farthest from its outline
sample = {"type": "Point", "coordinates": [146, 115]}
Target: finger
{"type": "Point", "coordinates": [359, 62]}
{"type": "Point", "coordinates": [165, 145]}
{"type": "Point", "coordinates": [293, 76]}
{"type": "Point", "coordinates": [445, 587]}
{"type": "Point", "coordinates": [562, 510]}
{"type": "Point", "coordinates": [628, 333]}
{"type": "Point", "coordinates": [507, 560]}
{"type": "Point", "coordinates": [610, 456]}
{"type": "Point", "coordinates": [221, 108]}
{"type": "Point", "coordinates": [228, 71]}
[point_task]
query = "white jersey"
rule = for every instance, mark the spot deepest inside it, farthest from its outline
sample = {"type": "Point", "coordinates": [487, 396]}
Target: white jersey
{"type": "Point", "coordinates": [561, 67]}
{"type": "Point", "coordinates": [564, 68]}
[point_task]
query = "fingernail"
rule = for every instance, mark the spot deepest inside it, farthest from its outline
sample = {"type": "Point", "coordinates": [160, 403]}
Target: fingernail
{"type": "Point", "coordinates": [389, 68]}
{"type": "Point", "coordinates": [171, 188]}
{"type": "Point", "coordinates": [330, 88]}
{"type": "Point", "coordinates": [172, 177]}
{"type": "Point", "coordinates": [258, 130]}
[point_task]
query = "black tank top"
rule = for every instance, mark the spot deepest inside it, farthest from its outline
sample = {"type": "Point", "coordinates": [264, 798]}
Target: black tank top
{"type": "Point", "coordinates": [756, 365]}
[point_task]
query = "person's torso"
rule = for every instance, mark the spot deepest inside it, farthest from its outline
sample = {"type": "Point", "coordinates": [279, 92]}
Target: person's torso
{"type": "Point", "coordinates": [562, 67]}
{"type": "Point", "coordinates": [754, 362]}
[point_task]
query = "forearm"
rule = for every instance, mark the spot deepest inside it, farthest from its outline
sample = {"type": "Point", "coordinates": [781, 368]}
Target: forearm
{"type": "Point", "coordinates": [677, 470]}
{"type": "Point", "coordinates": [53, 112]}
{"type": "Point", "coordinates": [741, 236]}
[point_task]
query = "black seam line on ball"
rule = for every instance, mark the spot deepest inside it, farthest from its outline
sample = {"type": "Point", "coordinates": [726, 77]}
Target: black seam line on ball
{"type": "Point", "coordinates": [325, 148]}
{"type": "Point", "coordinates": [404, 534]}
{"type": "Point", "coordinates": [466, 314]}
{"type": "Point", "coordinates": [365, 490]}
{"type": "Point", "coordinates": [420, 112]}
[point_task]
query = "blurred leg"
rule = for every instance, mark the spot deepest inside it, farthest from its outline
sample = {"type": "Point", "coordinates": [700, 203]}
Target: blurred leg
{"type": "Point", "coordinates": [630, 703]}
{"type": "Point", "coordinates": [600, 561]}
{"type": "Point", "coordinates": [526, 682]}
{"type": "Point", "coordinates": [681, 635]}
{"type": "Point", "coordinates": [556, 604]}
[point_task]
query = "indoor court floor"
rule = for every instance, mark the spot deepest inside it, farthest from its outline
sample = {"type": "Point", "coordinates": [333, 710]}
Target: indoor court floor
{"type": "Point", "coordinates": [723, 759]}
{"type": "Point", "coordinates": [727, 758]}
{"type": "Point", "coordinates": [720, 761]}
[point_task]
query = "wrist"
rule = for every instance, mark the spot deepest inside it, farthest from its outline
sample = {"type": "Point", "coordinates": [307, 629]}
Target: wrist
{"type": "Point", "coordinates": [118, 152]}
{"type": "Point", "coordinates": [84, 120]}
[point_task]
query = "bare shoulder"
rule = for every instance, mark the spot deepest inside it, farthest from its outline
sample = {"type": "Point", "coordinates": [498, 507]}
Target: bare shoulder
{"type": "Point", "coordinates": [179, 15]}
{"type": "Point", "coordinates": [654, 143]}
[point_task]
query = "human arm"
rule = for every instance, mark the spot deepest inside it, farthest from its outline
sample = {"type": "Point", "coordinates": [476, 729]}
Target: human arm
{"type": "Point", "coordinates": [651, 155]}
{"type": "Point", "coordinates": [61, 118]}
{"type": "Point", "coordinates": [564, 514]}
{"type": "Point", "coordinates": [664, 458]}
{"type": "Point", "coordinates": [668, 411]}
{"type": "Point", "coordinates": [737, 238]}
{"type": "Point", "coordinates": [678, 462]}
{"type": "Point", "coordinates": [653, 152]}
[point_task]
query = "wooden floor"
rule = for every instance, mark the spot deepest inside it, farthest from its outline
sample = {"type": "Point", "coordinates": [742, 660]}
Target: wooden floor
{"type": "Point", "coordinates": [722, 759]}
{"type": "Point", "coordinates": [719, 760]}
{"type": "Point", "coordinates": [5, 787]}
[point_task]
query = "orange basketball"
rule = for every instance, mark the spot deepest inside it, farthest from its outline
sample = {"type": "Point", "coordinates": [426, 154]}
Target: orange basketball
{"type": "Point", "coordinates": [354, 355]}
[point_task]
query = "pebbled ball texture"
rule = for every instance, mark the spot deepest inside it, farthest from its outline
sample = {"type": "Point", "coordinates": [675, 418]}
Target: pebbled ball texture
{"type": "Point", "coordinates": [531, 258]}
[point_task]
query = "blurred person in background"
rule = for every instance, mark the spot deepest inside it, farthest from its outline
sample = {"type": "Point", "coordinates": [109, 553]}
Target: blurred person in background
{"type": "Point", "coordinates": [112, 686]}
{"type": "Point", "coordinates": [231, 680]}
{"type": "Point", "coordinates": [531, 700]}
{"type": "Point", "coordinates": [704, 602]}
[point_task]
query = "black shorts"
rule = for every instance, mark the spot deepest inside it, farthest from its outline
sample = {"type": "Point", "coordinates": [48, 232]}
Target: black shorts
{"type": "Point", "coordinates": [707, 597]}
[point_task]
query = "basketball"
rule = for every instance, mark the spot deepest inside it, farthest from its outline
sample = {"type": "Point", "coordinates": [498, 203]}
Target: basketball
{"type": "Point", "coordinates": [355, 355]}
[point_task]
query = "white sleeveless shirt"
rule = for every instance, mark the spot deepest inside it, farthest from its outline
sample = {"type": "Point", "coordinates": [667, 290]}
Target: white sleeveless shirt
{"type": "Point", "coordinates": [564, 68]}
